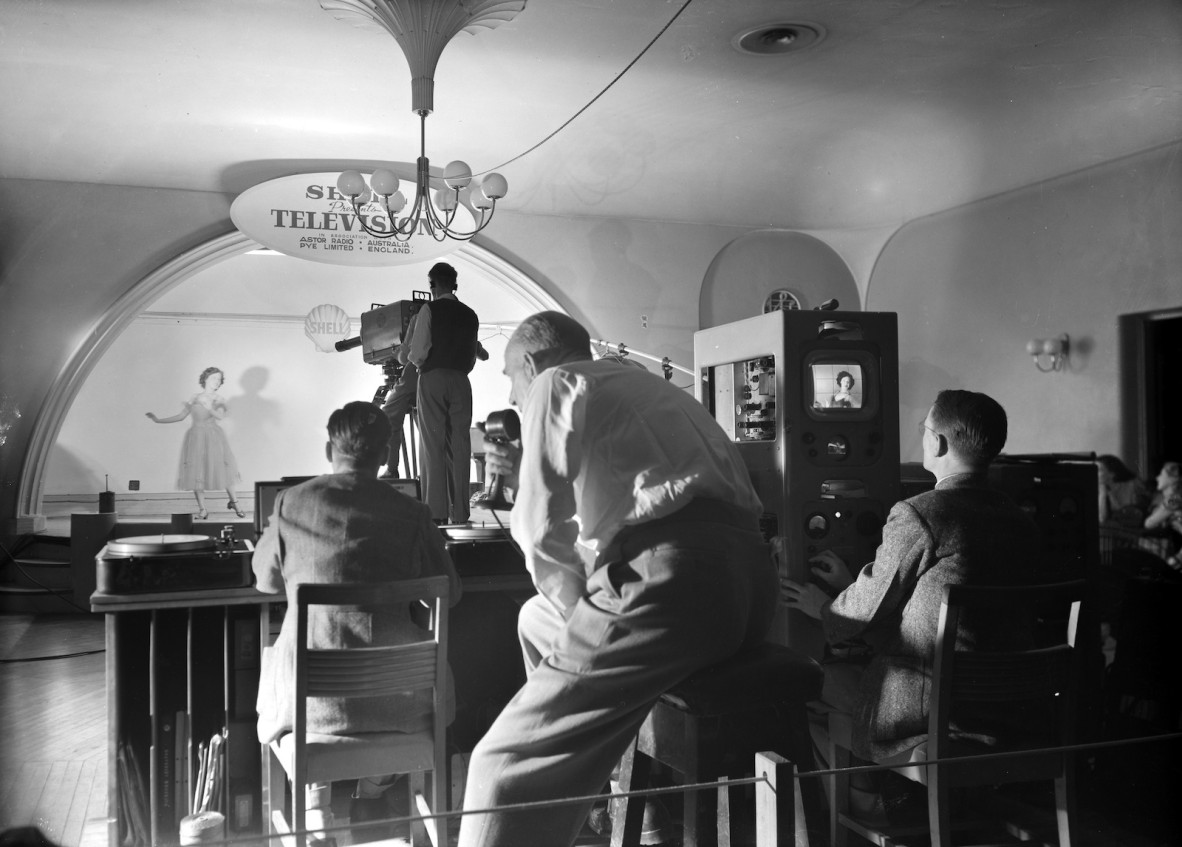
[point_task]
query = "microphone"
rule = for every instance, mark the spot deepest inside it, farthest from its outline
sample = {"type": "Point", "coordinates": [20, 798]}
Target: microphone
{"type": "Point", "coordinates": [828, 306]}
{"type": "Point", "coordinates": [499, 428]}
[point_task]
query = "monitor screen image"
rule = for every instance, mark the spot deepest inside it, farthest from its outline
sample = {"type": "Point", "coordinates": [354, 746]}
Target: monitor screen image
{"type": "Point", "coordinates": [837, 385]}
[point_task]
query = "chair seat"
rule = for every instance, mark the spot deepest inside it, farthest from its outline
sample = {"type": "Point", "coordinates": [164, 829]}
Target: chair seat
{"type": "Point", "coordinates": [333, 757]}
{"type": "Point", "coordinates": [767, 675]}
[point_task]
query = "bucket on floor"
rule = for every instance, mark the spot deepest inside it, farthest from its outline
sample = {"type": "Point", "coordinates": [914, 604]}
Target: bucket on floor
{"type": "Point", "coordinates": [203, 828]}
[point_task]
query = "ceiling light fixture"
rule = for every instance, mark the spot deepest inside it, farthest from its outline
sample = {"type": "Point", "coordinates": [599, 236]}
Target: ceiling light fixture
{"type": "Point", "coordinates": [778, 38]}
{"type": "Point", "coordinates": [422, 29]}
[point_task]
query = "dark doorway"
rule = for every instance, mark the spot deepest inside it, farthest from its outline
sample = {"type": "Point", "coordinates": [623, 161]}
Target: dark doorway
{"type": "Point", "coordinates": [1151, 403]}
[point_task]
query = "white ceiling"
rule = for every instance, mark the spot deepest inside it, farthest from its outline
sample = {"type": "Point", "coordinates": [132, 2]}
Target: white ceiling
{"type": "Point", "coordinates": [904, 109]}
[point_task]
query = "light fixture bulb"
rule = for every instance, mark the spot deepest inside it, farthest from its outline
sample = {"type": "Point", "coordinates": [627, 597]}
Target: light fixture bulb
{"type": "Point", "coordinates": [457, 174]}
{"type": "Point", "coordinates": [494, 186]}
{"type": "Point", "coordinates": [396, 202]}
{"type": "Point", "coordinates": [384, 182]}
{"type": "Point", "coordinates": [351, 183]}
{"type": "Point", "coordinates": [1034, 346]}
{"type": "Point", "coordinates": [479, 199]}
{"type": "Point", "coordinates": [445, 199]}
{"type": "Point", "coordinates": [1052, 347]}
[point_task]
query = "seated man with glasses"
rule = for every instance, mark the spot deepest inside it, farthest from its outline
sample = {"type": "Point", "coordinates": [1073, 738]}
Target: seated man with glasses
{"type": "Point", "coordinates": [962, 531]}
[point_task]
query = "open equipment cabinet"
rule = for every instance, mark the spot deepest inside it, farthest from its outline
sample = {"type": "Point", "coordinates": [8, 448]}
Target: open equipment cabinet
{"type": "Point", "coordinates": [182, 676]}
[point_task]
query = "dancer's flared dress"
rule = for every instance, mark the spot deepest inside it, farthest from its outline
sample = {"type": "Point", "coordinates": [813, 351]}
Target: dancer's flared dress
{"type": "Point", "coordinates": [206, 460]}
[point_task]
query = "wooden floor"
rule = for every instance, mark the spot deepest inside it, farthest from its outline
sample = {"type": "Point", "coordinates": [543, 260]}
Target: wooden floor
{"type": "Point", "coordinates": [53, 732]}
{"type": "Point", "coordinates": [53, 728]}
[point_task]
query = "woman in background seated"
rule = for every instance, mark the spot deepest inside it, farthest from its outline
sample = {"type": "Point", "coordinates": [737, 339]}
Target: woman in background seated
{"type": "Point", "coordinates": [1123, 497]}
{"type": "Point", "coordinates": [1165, 514]}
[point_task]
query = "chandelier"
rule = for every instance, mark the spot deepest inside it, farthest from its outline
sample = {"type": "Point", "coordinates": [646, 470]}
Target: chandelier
{"type": "Point", "coordinates": [422, 29]}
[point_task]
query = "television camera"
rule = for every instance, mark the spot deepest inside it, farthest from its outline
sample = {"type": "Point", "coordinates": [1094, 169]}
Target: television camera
{"type": "Point", "coordinates": [383, 330]}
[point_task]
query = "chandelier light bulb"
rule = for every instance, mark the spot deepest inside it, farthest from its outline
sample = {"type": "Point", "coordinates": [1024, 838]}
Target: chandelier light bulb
{"type": "Point", "coordinates": [351, 183]}
{"type": "Point", "coordinates": [383, 182]}
{"type": "Point", "coordinates": [445, 199]}
{"type": "Point", "coordinates": [1052, 347]}
{"type": "Point", "coordinates": [396, 203]}
{"type": "Point", "coordinates": [1034, 347]}
{"type": "Point", "coordinates": [457, 174]}
{"type": "Point", "coordinates": [479, 199]}
{"type": "Point", "coordinates": [494, 186]}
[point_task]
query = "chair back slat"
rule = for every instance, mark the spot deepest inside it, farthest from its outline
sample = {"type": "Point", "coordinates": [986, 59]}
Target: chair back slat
{"type": "Point", "coordinates": [1049, 674]}
{"type": "Point", "coordinates": [371, 671]}
{"type": "Point", "coordinates": [1011, 676]}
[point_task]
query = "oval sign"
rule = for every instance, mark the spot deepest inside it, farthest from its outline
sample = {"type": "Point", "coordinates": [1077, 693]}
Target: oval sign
{"type": "Point", "coordinates": [326, 325]}
{"type": "Point", "coordinates": [305, 216]}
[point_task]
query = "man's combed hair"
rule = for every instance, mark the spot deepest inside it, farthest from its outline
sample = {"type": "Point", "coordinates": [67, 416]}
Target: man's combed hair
{"type": "Point", "coordinates": [359, 429]}
{"type": "Point", "coordinates": [975, 424]}
{"type": "Point", "coordinates": [553, 331]}
{"type": "Point", "coordinates": [442, 272]}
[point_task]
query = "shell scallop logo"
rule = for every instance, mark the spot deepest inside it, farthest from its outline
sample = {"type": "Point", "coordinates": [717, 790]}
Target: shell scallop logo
{"type": "Point", "coordinates": [326, 325]}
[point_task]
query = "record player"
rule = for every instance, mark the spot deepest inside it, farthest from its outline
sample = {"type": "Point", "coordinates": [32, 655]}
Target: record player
{"type": "Point", "coordinates": [479, 551]}
{"type": "Point", "coordinates": [151, 563]}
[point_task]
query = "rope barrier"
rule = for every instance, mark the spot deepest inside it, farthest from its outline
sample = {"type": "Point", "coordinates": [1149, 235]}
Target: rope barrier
{"type": "Point", "coordinates": [727, 783]}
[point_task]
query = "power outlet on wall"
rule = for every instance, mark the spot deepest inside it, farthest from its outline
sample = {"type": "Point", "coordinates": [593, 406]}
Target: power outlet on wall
{"type": "Point", "coordinates": [644, 321]}
{"type": "Point", "coordinates": [133, 485]}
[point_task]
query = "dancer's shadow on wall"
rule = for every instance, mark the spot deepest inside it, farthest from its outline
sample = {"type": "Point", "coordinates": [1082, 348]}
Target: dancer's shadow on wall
{"type": "Point", "coordinates": [256, 425]}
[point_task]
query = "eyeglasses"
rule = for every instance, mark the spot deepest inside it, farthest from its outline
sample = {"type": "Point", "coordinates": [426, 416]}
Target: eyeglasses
{"type": "Point", "coordinates": [924, 425]}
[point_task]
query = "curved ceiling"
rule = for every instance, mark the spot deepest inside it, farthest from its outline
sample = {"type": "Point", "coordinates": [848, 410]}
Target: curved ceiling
{"type": "Point", "coordinates": [901, 110]}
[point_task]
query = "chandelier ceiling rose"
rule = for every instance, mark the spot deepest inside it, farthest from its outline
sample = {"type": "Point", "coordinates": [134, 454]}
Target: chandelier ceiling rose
{"type": "Point", "coordinates": [422, 29]}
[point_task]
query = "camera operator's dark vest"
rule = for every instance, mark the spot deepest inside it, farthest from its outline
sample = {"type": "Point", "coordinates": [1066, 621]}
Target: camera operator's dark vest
{"type": "Point", "coordinates": [453, 336]}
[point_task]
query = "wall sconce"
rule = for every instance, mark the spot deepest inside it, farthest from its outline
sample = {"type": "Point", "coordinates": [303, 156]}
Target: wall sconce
{"type": "Point", "coordinates": [1054, 348]}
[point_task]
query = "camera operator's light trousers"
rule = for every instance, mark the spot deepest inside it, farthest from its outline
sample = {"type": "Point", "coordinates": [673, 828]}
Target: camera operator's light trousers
{"type": "Point", "coordinates": [445, 421]}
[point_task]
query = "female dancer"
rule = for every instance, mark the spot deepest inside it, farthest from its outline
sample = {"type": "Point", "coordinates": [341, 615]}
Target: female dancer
{"type": "Point", "coordinates": [206, 460]}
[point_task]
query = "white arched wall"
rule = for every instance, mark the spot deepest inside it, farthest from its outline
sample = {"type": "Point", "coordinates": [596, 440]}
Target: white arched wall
{"type": "Point", "coordinates": [121, 313]}
{"type": "Point", "coordinates": [755, 264]}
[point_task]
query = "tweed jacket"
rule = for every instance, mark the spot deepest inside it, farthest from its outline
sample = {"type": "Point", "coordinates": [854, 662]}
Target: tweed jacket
{"type": "Point", "coordinates": [961, 532]}
{"type": "Point", "coordinates": [344, 528]}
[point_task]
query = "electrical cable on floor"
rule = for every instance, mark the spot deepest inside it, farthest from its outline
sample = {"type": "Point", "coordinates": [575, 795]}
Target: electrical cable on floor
{"type": "Point", "coordinates": [48, 658]}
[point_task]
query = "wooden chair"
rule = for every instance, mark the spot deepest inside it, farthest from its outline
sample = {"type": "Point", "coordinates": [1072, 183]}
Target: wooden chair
{"type": "Point", "coordinates": [364, 672]}
{"type": "Point", "coordinates": [1045, 677]}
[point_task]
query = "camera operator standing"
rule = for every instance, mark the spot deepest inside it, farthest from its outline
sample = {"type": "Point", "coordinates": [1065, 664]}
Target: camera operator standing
{"type": "Point", "coordinates": [442, 345]}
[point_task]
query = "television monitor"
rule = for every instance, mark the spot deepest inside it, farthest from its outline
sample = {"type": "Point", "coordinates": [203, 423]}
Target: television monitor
{"type": "Point", "coordinates": [840, 385]}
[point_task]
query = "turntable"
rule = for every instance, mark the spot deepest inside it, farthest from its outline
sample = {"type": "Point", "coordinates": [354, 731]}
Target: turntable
{"type": "Point", "coordinates": [152, 563]}
{"type": "Point", "coordinates": [483, 551]}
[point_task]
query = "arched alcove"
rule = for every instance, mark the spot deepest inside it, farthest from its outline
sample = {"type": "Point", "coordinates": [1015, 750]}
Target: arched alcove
{"type": "Point", "coordinates": [472, 262]}
{"type": "Point", "coordinates": [759, 264]}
